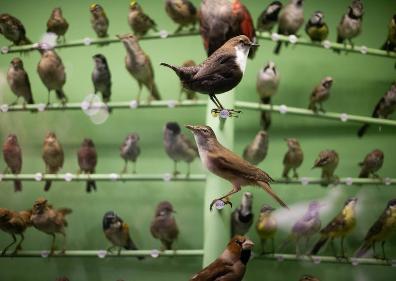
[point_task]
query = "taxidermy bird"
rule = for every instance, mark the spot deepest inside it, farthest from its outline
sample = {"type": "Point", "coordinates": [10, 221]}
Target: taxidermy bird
{"type": "Point", "coordinates": [390, 43]}
{"type": "Point", "coordinates": [19, 82]}
{"type": "Point", "coordinates": [182, 12]}
{"type": "Point", "coordinates": [190, 95]}
{"type": "Point", "coordinates": [163, 226]}
{"type": "Point", "coordinates": [293, 158]}
{"type": "Point", "coordinates": [371, 164]}
{"type": "Point", "coordinates": [101, 77]}
{"type": "Point", "coordinates": [308, 278]}
{"type": "Point", "coordinates": [53, 157]}
{"type": "Point", "coordinates": [316, 28]}
{"type": "Point", "coordinates": [328, 162]}
{"type": "Point", "coordinates": [266, 227]}
{"type": "Point", "coordinates": [320, 94]}
{"type": "Point", "coordinates": [257, 150]}
{"type": "Point", "coordinates": [269, 17]}
{"type": "Point", "coordinates": [12, 29]}
{"type": "Point", "coordinates": [57, 24]}
{"type": "Point", "coordinates": [87, 160]}
{"type": "Point", "coordinates": [242, 217]}
{"type": "Point", "coordinates": [12, 155]}
{"type": "Point", "coordinates": [130, 151]}
{"type": "Point", "coordinates": [99, 21]}
{"type": "Point", "coordinates": [139, 22]}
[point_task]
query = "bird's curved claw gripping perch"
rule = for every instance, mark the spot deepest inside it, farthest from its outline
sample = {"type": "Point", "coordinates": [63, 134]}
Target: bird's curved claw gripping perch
{"type": "Point", "coordinates": [225, 201]}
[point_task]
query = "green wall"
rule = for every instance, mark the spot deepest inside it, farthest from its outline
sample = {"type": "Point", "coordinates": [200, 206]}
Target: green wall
{"type": "Point", "coordinates": [359, 81]}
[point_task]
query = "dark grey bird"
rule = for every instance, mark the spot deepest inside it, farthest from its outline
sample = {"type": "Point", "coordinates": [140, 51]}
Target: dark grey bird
{"type": "Point", "coordinates": [257, 150]}
{"type": "Point", "coordinates": [164, 227]}
{"type": "Point", "coordinates": [269, 17]}
{"type": "Point", "coordinates": [130, 151]}
{"type": "Point", "coordinates": [242, 217]}
{"type": "Point", "coordinates": [101, 77]}
{"type": "Point", "coordinates": [293, 158]}
{"type": "Point", "coordinates": [19, 82]}
{"type": "Point", "coordinates": [371, 164]}
{"type": "Point", "coordinates": [320, 94]}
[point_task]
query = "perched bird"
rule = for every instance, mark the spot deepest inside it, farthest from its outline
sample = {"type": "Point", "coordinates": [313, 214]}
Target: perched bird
{"type": "Point", "coordinates": [163, 226]}
{"type": "Point", "coordinates": [87, 160]}
{"type": "Point", "coordinates": [293, 158]}
{"type": "Point", "coordinates": [13, 30]}
{"type": "Point", "coordinates": [320, 94]}
{"type": "Point", "coordinates": [52, 73]}
{"type": "Point", "coordinates": [371, 163]}
{"type": "Point", "coordinates": [182, 12]}
{"type": "Point", "coordinates": [350, 25]}
{"type": "Point", "coordinates": [14, 223]}
{"type": "Point", "coordinates": [19, 81]}
{"type": "Point", "coordinates": [385, 107]}
{"type": "Point", "coordinates": [257, 150]}
{"type": "Point", "coordinates": [12, 154]}
{"type": "Point", "coordinates": [316, 28]}
{"type": "Point", "coordinates": [139, 22]}
{"type": "Point", "coordinates": [228, 165]}
{"type": "Point", "coordinates": [219, 73]}
{"type": "Point", "coordinates": [269, 17]}
{"type": "Point", "coordinates": [101, 77]}
{"type": "Point", "coordinates": [178, 146]}
{"type": "Point", "coordinates": [328, 161]}
{"type": "Point", "coordinates": [231, 265]}
{"type": "Point", "coordinates": [380, 231]}
{"type": "Point", "coordinates": [53, 156]}
{"type": "Point", "coordinates": [190, 95]}
{"type": "Point", "coordinates": [339, 227]}
{"type": "Point", "coordinates": [130, 151]}
{"type": "Point", "coordinates": [50, 221]}
{"type": "Point", "coordinates": [138, 64]}
{"type": "Point", "coordinates": [242, 217]}
{"type": "Point", "coordinates": [390, 43]}
{"type": "Point", "coordinates": [99, 21]}
{"type": "Point", "coordinates": [57, 23]}
{"type": "Point", "coordinates": [291, 18]}
{"type": "Point", "coordinates": [309, 278]}
{"type": "Point", "coordinates": [266, 227]}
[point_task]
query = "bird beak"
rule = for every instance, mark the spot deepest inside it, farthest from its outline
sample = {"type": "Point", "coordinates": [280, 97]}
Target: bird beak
{"type": "Point", "coordinates": [254, 44]}
{"type": "Point", "coordinates": [191, 127]}
{"type": "Point", "coordinates": [248, 245]}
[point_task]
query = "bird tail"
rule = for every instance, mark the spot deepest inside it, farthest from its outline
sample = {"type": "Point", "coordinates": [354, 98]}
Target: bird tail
{"type": "Point", "coordinates": [266, 100]}
{"type": "Point", "coordinates": [363, 130]}
{"type": "Point", "coordinates": [278, 48]}
{"type": "Point", "coordinates": [131, 246]}
{"type": "Point", "coordinates": [364, 173]}
{"type": "Point", "coordinates": [90, 185]}
{"type": "Point", "coordinates": [65, 211]}
{"type": "Point", "coordinates": [17, 185]}
{"type": "Point", "coordinates": [268, 188]}
{"type": "Point", "coordinates": [363, 249]}
{"type": "Point", "coordinates": [60, 94]}
{"type": "Point", "coordinates": [47, 185]}
{"type": "Point", "coordinates": [311, 105]}
{"type": "Point", "coordinates": [319, 245]}
{"type": "Point", "coordinates": [182, 74]}
{"type": "Point", "coordinates": [155, 95]}
{"type": "Point", "coordinates": [388, 46]}
{"type": "Point", "coordinates": [167, 244]}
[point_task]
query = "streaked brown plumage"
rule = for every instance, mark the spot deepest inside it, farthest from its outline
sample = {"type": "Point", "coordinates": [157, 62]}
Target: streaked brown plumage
{"type": "Point", "coordinates": [13, 30]}
{"type": "Point", "coordinates": [139, 22]}
{"type": "Point", "coordinates": [57, 23]}
{"type": "Point", "coordinates": [87, 160]}
{"type": "Point", "coordinates": [12, 154]}
{"type": "Point", "coordinates": [328, 161]}
{"type": "Point", "coordinates": [19, 82]}
{"type": "Point", "coordinates": [293, 158]}
{"type": "Point", "coordinates": [99, 21]}
{"type": "Point", "coordinates": [320, 94]}
{"type": "Point", "coordinates": [371, 164]}
{"type": "Point", "coordinates": [163, 226]}
{"type": "Point", "coordinates": [53, 156]}
{"type": "Point", "coordinates": [182, 12]}
{"type": "Point", "coordinates": [257, 150]}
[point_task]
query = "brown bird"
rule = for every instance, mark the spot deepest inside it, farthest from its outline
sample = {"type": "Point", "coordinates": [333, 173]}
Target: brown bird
{"type": "Point", "coordinates": [53, 156]}
{"type": "Point", "coordinates": [139, 22]}
{"type": "Point", "coordinates": [130, 151]}
{"type": "Point", "coordinates": [12, 154]}
{"type": "Point", "coordinates": [371, 164]}
{"type": "Point", "coordinates": [163, 226]}
{"type": "Point", "coordinates": [13, 29]}
{"type": "Point", "coordinates": [320, 94]}
{"type": "Point", "coordinates": [231, 265]}
{"type": "Point", "coordinates": [328, 161]}
{"type": "Point", "coordinates": [19, 81]}
{"type": "Point", "coordinates": [87, 160]}
{"type": "Point", "coordinates": [138, 64]}
{"type": "Point", "coordinates": [190, 95]}
{"type": "Point", "coordinates": [57, 24]}
{"type": "Point", "coordinates": [99, 21]}
{"type": "Point", "coordinates": [50, 221]}
{"type": "Point", "coordinates": [293, 158]}
{"type": "Point", "coordinates": [257, 150]}
{"type": "Point", "coordinates": [14, 223]}
{"type": "Point", "coordinates": [228, 165]}
{"type": "Point", "coordinates": [182, 12]}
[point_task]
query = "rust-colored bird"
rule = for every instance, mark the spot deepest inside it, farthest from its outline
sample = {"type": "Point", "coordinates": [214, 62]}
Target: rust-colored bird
{"type": "Point", "coordinates": [12, 154]}
{"type": "Point", "coordinates": [13, 29]}
{"type": "Point", "coordinates": [57, 24]}
{"type": "Point", "coordinates": [371, 164]}
{"type": "Point", "coordinates": [293, 158]}
{"type": "Point", "coordinates": [53, 156]}
{"type": "Point", "coordinates": [139, 22]}
{"type": "Point", "coordinates": [87, 160]}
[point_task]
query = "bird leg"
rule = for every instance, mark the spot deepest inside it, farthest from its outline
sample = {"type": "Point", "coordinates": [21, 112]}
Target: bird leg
{"type": "Point", "coordinates": [179, 29]}
{"type": "Point", "coordinates": [8, 246]}
{"type": "Point", "coordinates": [295, 174]}
{"type": "Point", "coordinates": [374, 254]}
{"type": "Point", "coordinates": [333, 247]}
{"type": "Point", "coordinates": [175, 171]}
{"type": "Point", "coordinates": [273, 246]}
{"type": "Point", "coordinates": [235, 189]}
{"type": "Point", "coordinates": [134, 167]}
{"type": "Point", "coordinates": [52, 244]}
{"type": "Point", "coordinates": [383, 251]}
{"type": "Point", "coordinates": [262, 242]}
{"type": "Point", "coordinates": [15, 102]}
{"type": "Point", "coordinates": [48, 98]}
{"type": "Point", "coordinates": [321, 109]}
{"type": "Point", "coordinates": [18, 246]}
{"type": "Point", "coordinates": [216, 111]}
{"type": "Point", "coordinates": [188, 170]}
{"type": "Point", "coordinates": [125, 169]}
{"type": "Point", "coordinates": [343, 256]}
{"type": "Point", "coordinates": [139, 93]}
{"type": "Point", "coordinates": [6, 170]}
{"type": "Point", "coordinates": [110, 249]}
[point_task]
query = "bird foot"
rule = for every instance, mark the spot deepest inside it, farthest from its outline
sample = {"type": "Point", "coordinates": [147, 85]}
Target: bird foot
{"type": "Point", "coordinates": [342, 258]}
{"type": "Point", "coordinates": [225, 113]}
{"type": "Point", "coordinates": [225, 201]}
{"type": "Point", "coordinates": [295, 175]}
{"type": "Point", "coordinates": [3, 253]}
{"type": "Point", "coordinates": [175, 173]}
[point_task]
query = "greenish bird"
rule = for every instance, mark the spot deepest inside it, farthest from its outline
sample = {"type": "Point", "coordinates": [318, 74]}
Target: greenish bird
{"type": "Point", "coordinates": [316, 28]}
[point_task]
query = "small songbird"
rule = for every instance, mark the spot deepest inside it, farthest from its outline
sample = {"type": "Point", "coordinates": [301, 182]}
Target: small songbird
{"type": "Point", "coordinates": [13, 29]}
{"type": "Point", "coordinates": [52, 73]}
{"type": "Point", "coordinates": [328, 161]}
{"type": "Point", "coordinates": [309, 278]}
{"type": "Point", "coordinates": [257, 150]}
{"type": "Point", "coordinates": [371, 164]}
{"type": "Point", "coordinates": [339, 227]}
{"type": "Point", "coordinates": [320, 94]}
{"type": "Point", "coordinates": [12, 154]}
{"type": "Point", "coordinates": [350, 25]}
{"type": "Point", "coordinates": [163, 226]}
{"type": "Point", "coordinates": [385, 107]}
{"type": "Point", "coordinates": [242, 217]}
{"type": "Point", "coordinates": [53, 156]}
{"type": "Point", "coordinates": [130, 151]}
{"type": "Point", "coordinates": [190, 95]}
{"type": "Point", "coordinates": [87, 160]}
{"type": "Point", "coordinates": [50, 221]}
{"type": "Point", "coordinates": [99, 21]}
{"type": "Point", "coordinates": [14, 223]}
{"type": "Point", "coordinates": [291, 18]}
{"type": "Point", "coordinates": [178, 146]}
{"type": "Point", "coordinates": [269, 17]}
{"type": "Point", "coordinates": [139, 22]}
{"type": "Point", "coordinates": [182, 12]}
{"type": "Point", "coordinates": [316, 28]}
{"type": "Point", "coordinates": [228, 165]}
{"type": "Point", "coordinates": [101, 77]}
{"type": "Point", "coordinates": [19, 81]}
{"type": "Point", "coordinates": [138, 64]}
{"type": "Point", "coordinates": [293, 158]}
{"type": "Point", "coordinates": [380, 231]}
{"type": "Point", "coordinates": [219, 73]}
{"type": "Point", "coordinates": [266, 227]}
{"type": "Point", "coordinates": [57, 23]}
{"type": "Point", "coordinates": [231, 265]}
{"type": "Point", "coordinates": [390, 43]}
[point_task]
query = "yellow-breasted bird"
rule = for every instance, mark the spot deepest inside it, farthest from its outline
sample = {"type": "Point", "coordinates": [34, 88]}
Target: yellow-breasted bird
{"type": "Point", "coordinates": [339, 227]}
{"type": "Point", "coordinates": [139, 22]}
{"type": "Point", "coordinates": [390, 43]}
{"type": "Point", "coordinates": [13, 29]}
{"type": "Point", "coordinates": [57, 23]}
{"type": "Point", "coordinates": [380, 231]}
{"type": "Point", "coordinates": [266, 227]}
{"type": "Point", "coordinates": [316, 28]}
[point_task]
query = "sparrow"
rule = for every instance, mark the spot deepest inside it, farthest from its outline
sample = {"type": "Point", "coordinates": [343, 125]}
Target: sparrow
{"type": "Point", "coordinates": [390, 43]}
{"type": "Point", "coordinates": [14, 223]}
{"type": "Point", "coordinates": [138, 64]}
{"type": "Point", "coordinates": [190, 95]}
{"type": "Point", "coordinates": [163, 226]}
{"type": "Point", "coordinates": [380, 231]}
{"type": "Point", "coordinates": [328, 161]}
{"type": "Point", "coordinates": [130, 151]}
{"type": "Point", "coordinates": [371, 164]}
{"type": "Point", "coordinates": [87, 160]}
{"type": "Point", "coordinates": [385, 107]}
{"type": "Point", "coordinates": [57, 23]}
{"type": "Point", "coordinates": [219, 73]}
{"type": "Point", "coordinates": [12, 154]}
{"type": "Point", "coordinates": [178, 146]}
{"type": "Point", "coordinates": [309, 278]}
{"type": "Point", "coordinates": [53, 156]}
{"type": "Point", "coordinates": [50, 221]}
{"type": "Point", "coordinates": [52, 73]}
{"type": "Point", "coordinates": [182, 12]}
{"type": "Point", "coordinates": [139, 22]}
{"type": "Point", "coordinates": [339, 227]}
{"type": "Point", "coordinates": [269, 17]}
{"type": "Point", "coordinates": [291, 18]}
{"type": "Point", "coordinates": [99, 21]}
{"type": "Point", "coordinates": [13, 30]}
{"type": "Point", "coordinates": [19, 82]}
{"type": "Point", "coordinates": [293, 158]}
{"type": "Point", "coordinates": [242, 217]}
{"type": "Point", "coordinates": [320, 94]}
{"type": "Point", "coordinates": [266, 227]}
{"type": "Point", "coordinates": [228, 165]}
{"type": "Point", "coordinates": [257, 150]}
{"type": "Point", "coordinates": [101, 77]}
{"type": "Point", "coordinates": [231, 265]}
{"type": "Point", "coordinates": [316, 28]}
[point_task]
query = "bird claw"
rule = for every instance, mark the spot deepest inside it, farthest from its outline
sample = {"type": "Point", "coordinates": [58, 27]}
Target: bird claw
{"type": "Point", "coordinates": [226, 202]}
{"type": "Point", "coordinates": [225, 113]}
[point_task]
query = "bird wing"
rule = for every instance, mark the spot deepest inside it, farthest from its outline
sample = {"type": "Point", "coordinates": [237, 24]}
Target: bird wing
{"type": "Point", "coordinates": [213, 272]}
{"type": "Point", "coordinates": [218, 66]}
{"type": "Point", "coordinates": [377, 227]}
{"type": "Point", "coordinates": [335, 225]}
